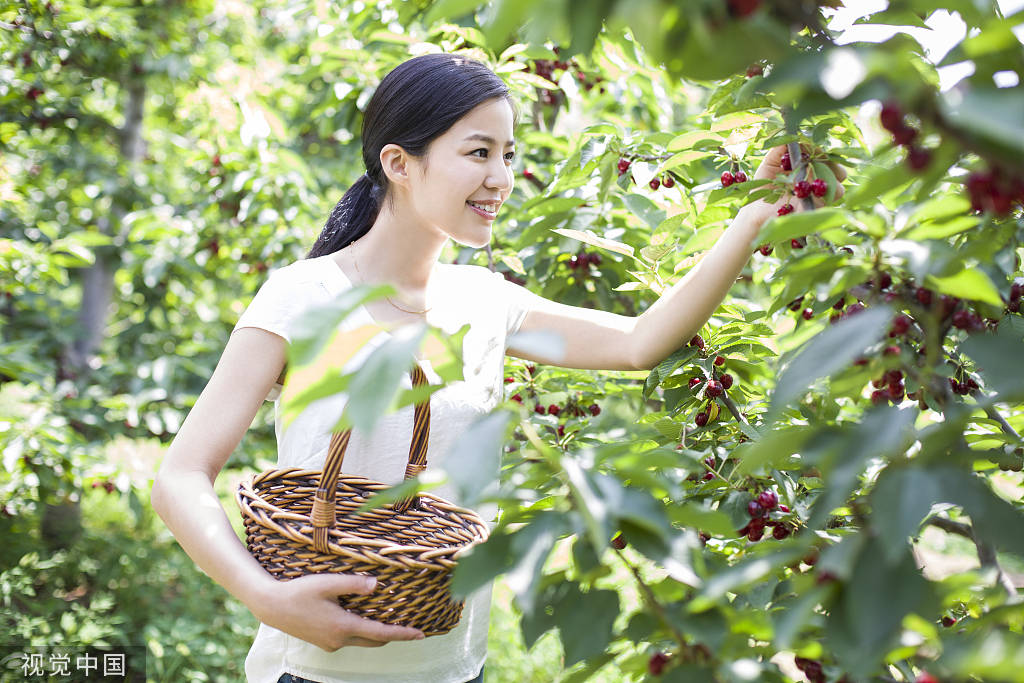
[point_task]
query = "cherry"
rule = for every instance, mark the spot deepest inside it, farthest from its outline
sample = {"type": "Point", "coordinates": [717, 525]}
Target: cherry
{"type": "Point", "coordinates": [754, 509]}
{"type": "Point", "coordinates": [740, 177]}
{"type": "Point", "coordinates": [925, 677]}
{"type": "Point", "coordinates": [509, 380]}
{"type": "Point", "coordinates": [891, 117]}
{"type": "Point", "coordinates": [708, 476]}
{"type": "Point", "coordinates": [787, 209]}
{"type": "Point", "coordinates": [714, 389]}
{"type": "Point", "coordinates": [656, 664]}
{"type": "Point", "coordinates": [918, 159]}
{"type": "Point", "coordinates": [539, 409]}
{"type": "Point", "coordinates": [797, 243]}
{"type": "Point", "coordinates": [553, 409]}
{"type": "Point", "coordinates": [948, 621]}
{"type": "Point", "coordinates": [802, 189]}
{"type": "Point", "coordinates": [618, 542]}
{"type": "Point", "coordinates": [594, 409]}
{"type": "Point", "coordinates": [783, 508]}
{"type": "Point", "coordinates": [901, 325]}
{"type": "Point", "coordinates": [623, 166]}
{"type": "Point", "coordinates": [216, 160]}
{"type": "Point", "coordinates": [697, 341]}
{"type": "Point", "coordinates": [796, 304]}
{"type": "Point", "coordinates": [965, 320]}
{"type": "Point", "coordinates": [719, 361]}
{"type": "Point", "coordinates": [780, 532]}
{"type": "Point", "coordinates": [904, 135]}
{"type": "Point", "coordinates": [518, 399]}
{"type": "Point", "coordinates": [561, 430]}
{"type": "Point", "coordinates": [743, 8]}
{"type": "Point", "coordinates": [695, 381]}
{"type": "Point", "coordinates": [701, 419]}
{"type": "Point", "coordinates": [768, 499]}
{"type": "Point", "coordinates": [786, 162]}
{"type": "Point", "coordinates": [728, 179]}
{"type": "Point", "coordinates": [726, 380]}
{"type": "Point", "coordinates": [892, 377]}
{"type": "Point", "coordinates": [531, 369]}
{"type": "Point", "coordinates": [1016, 290]}
{"type": "Point", "coordinates": [808, 313]}
{"type": "Point", "coordinates": [891, 351]}
{"type": "Point", "coordinates": [755, 69]}
{"type": "Point", "coordinates": [655, 183]}
{"type": "Point", "coordinates": [878, 397]}
{"type": "Point", "coordinates": [668, 181]}
{"type": "Point", "coordinates": [528, 174]}
{"type": "Point", "coordinates": [710, 462]}
{"type": "Point", "coordinates": [754, 534]}
{"type": "Point", "coordinates": [765, 249]}
{"type": "Point", "coordinates": [819, 188]}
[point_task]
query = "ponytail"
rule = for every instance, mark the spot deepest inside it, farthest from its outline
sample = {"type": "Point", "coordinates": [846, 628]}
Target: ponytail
{"type": "Point", "coordinates": [351, 218]}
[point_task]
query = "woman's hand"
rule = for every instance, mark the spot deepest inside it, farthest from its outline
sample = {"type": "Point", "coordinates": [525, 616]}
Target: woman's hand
{"type": "Point", "coordinates": [771, 166]}
{"type": "Point", "coordinates": [307, 608]}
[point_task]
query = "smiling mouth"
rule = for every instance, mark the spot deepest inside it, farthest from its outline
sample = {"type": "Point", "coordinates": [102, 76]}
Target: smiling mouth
{"type": "Point", "coordinates": [489, 210]}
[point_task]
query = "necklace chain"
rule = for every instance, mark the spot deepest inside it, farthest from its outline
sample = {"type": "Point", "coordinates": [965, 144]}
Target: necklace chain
{"type": "Point", "coordinates": [356, 262]}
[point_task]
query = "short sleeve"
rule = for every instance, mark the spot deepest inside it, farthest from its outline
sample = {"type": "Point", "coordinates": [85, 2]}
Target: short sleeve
{"type": "Point", "coordinates": [273, 307]}
{"type": "Point", "coordinates": [518, 301]}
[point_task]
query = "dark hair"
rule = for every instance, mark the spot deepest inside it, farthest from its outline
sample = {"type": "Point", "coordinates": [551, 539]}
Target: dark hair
{"type": "Point", "coordinates": [418, 101]}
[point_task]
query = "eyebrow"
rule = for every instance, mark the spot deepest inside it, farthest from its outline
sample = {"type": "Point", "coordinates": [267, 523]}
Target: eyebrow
{"type": "Point", "coordinates": [488, 139]}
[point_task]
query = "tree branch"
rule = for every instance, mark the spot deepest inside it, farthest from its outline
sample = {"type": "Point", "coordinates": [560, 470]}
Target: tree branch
{"type": "Point", "coordinates": [986, 551]}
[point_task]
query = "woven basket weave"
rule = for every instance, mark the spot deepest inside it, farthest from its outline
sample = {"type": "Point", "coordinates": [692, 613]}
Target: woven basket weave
{"type": "Point", "coordinates": [300, 522]}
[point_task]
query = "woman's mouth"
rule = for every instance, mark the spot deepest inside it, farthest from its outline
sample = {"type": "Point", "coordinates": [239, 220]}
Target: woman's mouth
{"type": "Point", "coordinates": [485, 209]}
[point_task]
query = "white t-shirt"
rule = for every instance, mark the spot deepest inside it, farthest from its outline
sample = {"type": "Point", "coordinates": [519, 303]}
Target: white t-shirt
{"type": "Point", "coordinates": [495, 309]}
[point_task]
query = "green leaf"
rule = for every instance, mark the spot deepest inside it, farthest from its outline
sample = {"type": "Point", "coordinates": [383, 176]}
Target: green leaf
{"type": "Point", "coordinates": [746, 571]}
{"type": "Point", "coordinates": [993, 114]}
{"type": "Point", "coordinates": [694, 516]}
{"type": "Point", "coordinates": [829, 352]}
{"type": "Point", "coordinates": [971, 283]}
{"type": "Point", "coordinates": [998, 358]}
{"type": "Point", "coordinates": [784, 228]}
{"type": "Point", "coordinates": [471, 474]}
{"type": "Point", "coordinates": [585, 621]}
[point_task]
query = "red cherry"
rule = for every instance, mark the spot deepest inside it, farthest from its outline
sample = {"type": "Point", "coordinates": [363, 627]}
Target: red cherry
{"type": "Point", "coordinates": [787, 209]}
{"type": "Point", "coordinates": [740, 177]}
{"type": "Point", "coordinates": [786, 162]}
{"type": "Point", "coordinates": [553, 409]}
{"type": "Point", "coordinates": [561, 430]}
{"type": "Point", "coordinates": [618, 542]}
{"type": "Point", "coordinates": [1016, 290]}
{"type": "Point", "coordinates": [726, 381]}
{"type": "Point", "coordinates": [623, 166]}
{"type": "Point", "coordinates": [904, 135]}
{"type": "Point", "coordinates": [768, 499]}
{"type": "Point", "coordinates": [797, 243]}
{"type": "Point", "coordinates": [918, 159]}
{"type": "Point", "coordinates": [819, 188]}
{"type": "Point", "coordinates": [528, 174]}
{"type": "Point", "coordinates": [539, 409]}
{"type": "Point", "coordinates": [695, 381]}
{"type": "Point", "coordinates": [948, 621]}
{"type": "Point", "coordinates": [697, 341]}
{"type": "Point", "coordinates": [808, 313]}
{"type": "Point", "coordinates": [891, 351]}
{"type": "Point", "coordinates": [891, 116]}
{"type": "Point", "coordinates": [714, 389]}
{"type": "Point", "coordinates": [655, 183]}
{"type": "Point", "coordinates": [802, 189]}
{"type": "Point", "coordinates": [656, 664]}
{"type": "Point", "coordinates": [765, 249]}
{"type": "Point", "coordinates": [701, 419]}
{"type": "Point", "coordinates": [728, 179]}
{"type": "Point", "coordinates": [780, 532]}
{"type": "Point", "coordinates": [783, 508]}
{"type": "Point", "coordinates": [719, 361]}
{"type": "Point", "coordinates": [708, 476]}
{"type": "Point", "coordinates": [594, 409]}
{"type": "Point", "coordinates": [754, 509]}
{"type": "Point", "coordinates": [925, 677]}
{"type": "Point", "coordinates": [755, 534]}
{"type": "Point", "coordinates": [743, 8]}
{"type": "Point", "coordinates": [755, 70]}
{"type": "Point", "coordinates": [668, 181]}
{"type": "Point", "coordinates": [901, 324]}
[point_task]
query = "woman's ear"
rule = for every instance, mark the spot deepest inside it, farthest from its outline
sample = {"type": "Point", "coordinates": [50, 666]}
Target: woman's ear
{"type": "Point", "coordinates": [395, 162]}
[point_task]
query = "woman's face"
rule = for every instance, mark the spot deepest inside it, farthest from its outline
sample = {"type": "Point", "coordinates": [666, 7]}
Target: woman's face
{"type": "Point", "coordinates": [471, 163]}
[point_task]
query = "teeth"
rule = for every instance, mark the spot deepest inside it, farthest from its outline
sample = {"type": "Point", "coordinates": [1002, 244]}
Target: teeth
{"type": "Point", "coordinates": [489, 208]}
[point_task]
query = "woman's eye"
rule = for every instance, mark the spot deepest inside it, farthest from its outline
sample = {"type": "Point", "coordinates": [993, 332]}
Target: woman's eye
{"type": "Point", "coordinates": [479, 150]}
{"type": "Point", "coordinates": [510, 156]}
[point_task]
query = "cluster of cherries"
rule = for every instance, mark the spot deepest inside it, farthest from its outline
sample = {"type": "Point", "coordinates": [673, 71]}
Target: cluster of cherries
{"type": "Point", "coordinates": [666, 180]}
{"type": "Point", "coordinates": [584, 260]}
{"type": "Point", "coordinates": [894, 121]}
{"type": "Point", "coordinates": [716, 386]}
{"type": "Point", "coordinates": [759, 509]}
{"type": "Point", "coordinates": [995, 190]}
{"type": "Point", "coordinates": [572, 408]}
{"type": "Point", "coordinates": [546, 68]}
{"type": "Point", "coordinates": [730, 178]}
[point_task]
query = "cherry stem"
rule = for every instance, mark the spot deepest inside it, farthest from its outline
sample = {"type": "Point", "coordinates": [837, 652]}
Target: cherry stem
{"type": "Point", "coordinates": [986, 551]}
{"type": "Point", "coordinates": [732, 409]}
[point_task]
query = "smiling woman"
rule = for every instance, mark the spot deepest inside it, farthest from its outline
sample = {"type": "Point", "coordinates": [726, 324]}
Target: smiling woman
{"type": "Point", "coordinates": [438, 146]}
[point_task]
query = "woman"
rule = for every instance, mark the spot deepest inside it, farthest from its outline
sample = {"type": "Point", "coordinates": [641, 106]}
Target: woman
{"type": "Point", "coordinates": [438, 147]}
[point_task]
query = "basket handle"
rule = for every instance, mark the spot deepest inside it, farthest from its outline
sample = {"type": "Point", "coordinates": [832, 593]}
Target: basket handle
{"type": "Point", "coordinates": [322, 515]}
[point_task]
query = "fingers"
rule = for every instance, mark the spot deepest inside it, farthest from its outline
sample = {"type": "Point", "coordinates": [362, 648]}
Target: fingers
{"type": "Point", "coordinates": [367, 629]}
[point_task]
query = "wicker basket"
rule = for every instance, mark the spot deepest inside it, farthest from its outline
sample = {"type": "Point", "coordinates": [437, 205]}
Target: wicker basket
{"type": "Point", "coordinates": [299, 522]}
